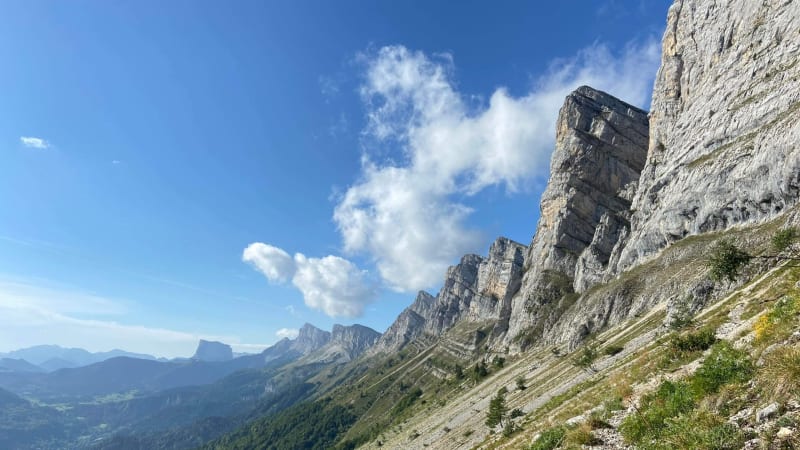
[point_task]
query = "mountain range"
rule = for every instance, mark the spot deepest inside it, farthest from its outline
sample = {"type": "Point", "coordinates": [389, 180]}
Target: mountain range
{"type": "Point", "coordinates": [607, 330]}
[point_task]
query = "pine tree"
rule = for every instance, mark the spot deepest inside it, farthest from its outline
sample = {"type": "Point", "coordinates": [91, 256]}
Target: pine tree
{"type": "Point", "coordinates": [497, 409]}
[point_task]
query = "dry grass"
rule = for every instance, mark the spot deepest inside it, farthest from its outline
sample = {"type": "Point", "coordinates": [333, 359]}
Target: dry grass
{"type": "Point", "coordinates": [780, 375]}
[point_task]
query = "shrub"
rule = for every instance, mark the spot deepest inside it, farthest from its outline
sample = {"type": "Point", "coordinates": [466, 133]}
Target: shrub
{"type": "Point", "coordinates": [499, 362]}
{"type": "Point", "coordinates": [521, 383]}
{"type": "Point", "coordinates": [692, 342]}
{"type": "Point", "coordinates": [516, 412]}
{"type": "Point", "coordinates": [726, 260]}
{"type": "Point", "coordinates": [550, 439]}
{"type": "Point", "coordinates": [586, 357]}
{"type": "Point", "coordinates": [784, 238]}
{"type": "Point", "coordinates": [612, 350]}
{"type": "Point", "coordinates": [681, 317]}
{"type": "Point", "coordinates": [724, 365]}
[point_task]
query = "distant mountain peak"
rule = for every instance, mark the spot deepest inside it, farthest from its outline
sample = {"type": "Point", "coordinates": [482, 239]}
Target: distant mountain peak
{"type": "Point", "coordinates": [310, 338]}
{"type": "Point", "coordinates": [213, 351]}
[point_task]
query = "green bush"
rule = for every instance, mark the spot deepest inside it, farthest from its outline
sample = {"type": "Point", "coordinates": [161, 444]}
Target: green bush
{"type": "Point", "coordinates": [612, 350]}
{"type": "Point", "coordinates": [724, 365]}
{"type": "Point", "coordinates": [516, 412]}
{"type": "Point", "coordinates": [784, 238]}
{"type": "Point", "coordinates": [550, 439]}
{"type": "Point", "coordinates": [498, 362]}
{"type": "Point", "coordinates": [692, 342]}
{"type": "Point", "coordinates": [586, 357]}
{"type": "Point", "coordinates": [726, 260]}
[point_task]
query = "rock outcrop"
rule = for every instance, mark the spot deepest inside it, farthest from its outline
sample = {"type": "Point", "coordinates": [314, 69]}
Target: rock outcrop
{"type": "Point", "coordinates": [601, 145]}
{"type": "Point", "coordinates": [346, 343]}
{"type": "Point", "coordinates": [477, 289]}
{"type": "Point", "coordinates": [723, 123]}
{"type": "Point", "coordinates": [213, 351]}
{"type": "Point", "coordinates": [310, 339]}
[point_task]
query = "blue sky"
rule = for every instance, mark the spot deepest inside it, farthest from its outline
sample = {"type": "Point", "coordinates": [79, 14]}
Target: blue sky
{"type": "Point", "coordinates": [231, 170]}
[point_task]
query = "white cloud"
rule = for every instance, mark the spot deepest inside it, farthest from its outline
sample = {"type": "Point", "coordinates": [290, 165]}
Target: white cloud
{"type": "Point", "coordinates": [409, 212]}
{"type": "Point", "coordinates": [331, 284]}
{"type": "Point", "coordinates": [277, 265]}
{"type": "Point", "coordinates": [34, 142]}
{"type": "Point", "coordinates": [290, 333]}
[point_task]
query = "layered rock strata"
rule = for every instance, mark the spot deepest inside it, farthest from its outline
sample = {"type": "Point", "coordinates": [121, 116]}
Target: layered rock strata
{"type": "Point", "coordinates": [723, 129]}
{"type": "Point", "coordinates": [601, 146]}
{"type": "Point", "coordinates": [477, 289]}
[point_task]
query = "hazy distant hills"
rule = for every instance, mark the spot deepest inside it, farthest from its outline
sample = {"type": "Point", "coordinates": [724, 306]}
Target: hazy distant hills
{"type": "Point", "coordinates": [143, 402]}
{"type": "Point", "coordinates": [18, 365]}
{"type": "Point", "coordinates": [54, 357]}
{"type": "Point", "coordinates": [122, 375]}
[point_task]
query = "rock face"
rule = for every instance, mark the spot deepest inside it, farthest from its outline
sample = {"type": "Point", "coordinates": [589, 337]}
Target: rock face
{"type": "Point", "coordinates": [347, 343]}
{"type": "Point", "coordinates": [310, 339]}
{"type": "Point", "coordinates": [719, 148]}
{"type": "Point", "coordinates": [601, 145]}
{"type": "Point", "coordinates": [476, 289]}
{"type": "Point", "coordinates": [723, 129]}
{"type": "Point", "coordinates": [213, 351]}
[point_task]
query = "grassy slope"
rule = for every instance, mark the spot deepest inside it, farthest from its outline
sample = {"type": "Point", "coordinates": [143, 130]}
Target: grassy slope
{"type": "Point", "coordinates": [559, 390]}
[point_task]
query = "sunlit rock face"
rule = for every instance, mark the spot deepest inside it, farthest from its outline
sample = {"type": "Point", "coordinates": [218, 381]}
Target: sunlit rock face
{"type": "Point", "coordinates": [723, 123]}
{"type": "Point", "coordinates": [601, 146]}
{"type": "Point", "coordinates": [477, 289]}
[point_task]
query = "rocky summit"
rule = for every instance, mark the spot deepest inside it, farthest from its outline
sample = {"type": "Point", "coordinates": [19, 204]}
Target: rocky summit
{"type": "Point", "coordinates": [213, 351]}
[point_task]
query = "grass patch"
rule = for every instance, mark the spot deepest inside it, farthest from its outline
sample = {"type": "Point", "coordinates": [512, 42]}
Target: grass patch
{"type": "Point", "coordinates": [778, 322]}
{"type": "Point", "coordinates": [550, 439]}
{"type": "Point", "coordinates": [667, 417]}
{"type": "Point", "coordinates": [724, 365]}
{"type": "Point", "coordinates": [780, 375]}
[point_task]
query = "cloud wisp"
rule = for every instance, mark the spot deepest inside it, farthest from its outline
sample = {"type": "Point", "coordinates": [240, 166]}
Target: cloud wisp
{"type": "Point", "coordinates": [33, 314]}
{"type": "Point", "coordinates": [330, 284]}
{"type": "Point", "coordinates": [408, 210]}
{"type": "Point", "coordinates": [289, 333]}
{"type": "Point", "coordinates": [34, 142]}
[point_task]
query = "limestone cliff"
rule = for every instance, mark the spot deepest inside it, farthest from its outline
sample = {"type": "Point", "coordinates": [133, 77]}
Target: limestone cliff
{"type": "Point", "coordinates": [477, 289]}
{"type": "Point", "coordinates": [310, 339]}
{"type": "Point", "coordinates": [347, 343]}
{"type": "Point", "coordinates": [723, 130]}
{"type": "Point", "coordinates": [601, 145]}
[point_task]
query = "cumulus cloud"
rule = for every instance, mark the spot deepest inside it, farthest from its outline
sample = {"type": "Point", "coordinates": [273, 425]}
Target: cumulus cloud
{"type": "Point", "coordinates": [408, 210]}
{"type": "Point", "coordinates": [34, 142]}
{"type": "Point", "coordinates": [331, 284]}
{"type": "Point", "coordinates": [290, 333]}
{"type": "Point", "coordinates": [277, 265]}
